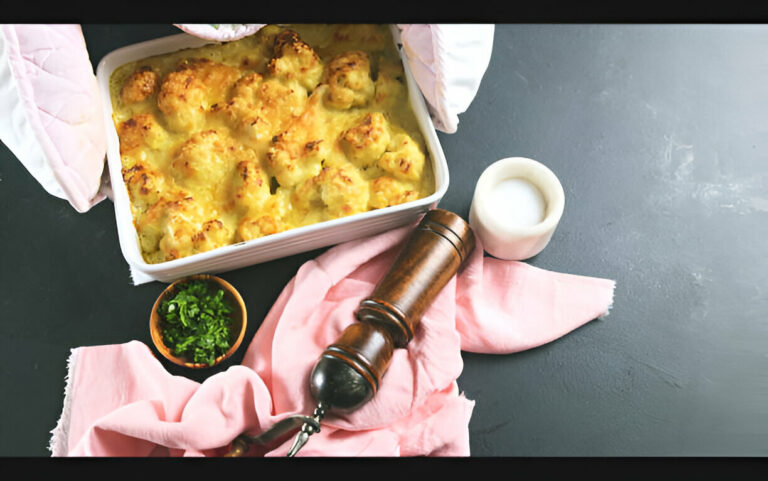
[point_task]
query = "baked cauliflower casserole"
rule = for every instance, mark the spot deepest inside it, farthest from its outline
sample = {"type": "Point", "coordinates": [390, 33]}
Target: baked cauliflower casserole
{"type": "Point", "coordinates": [288, 127]}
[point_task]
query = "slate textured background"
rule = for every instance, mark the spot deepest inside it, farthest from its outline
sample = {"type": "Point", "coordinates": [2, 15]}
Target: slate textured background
{"type": "Point", "coordinates": [659, 135]}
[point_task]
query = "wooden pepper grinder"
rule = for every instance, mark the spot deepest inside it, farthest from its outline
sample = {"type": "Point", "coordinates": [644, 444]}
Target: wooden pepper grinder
{"type": "Point", "coordinates": [349, 371]}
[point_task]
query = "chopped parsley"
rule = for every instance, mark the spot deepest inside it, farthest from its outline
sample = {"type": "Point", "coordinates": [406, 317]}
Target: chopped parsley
{"type": "Point", "coordinates": [197, 320]}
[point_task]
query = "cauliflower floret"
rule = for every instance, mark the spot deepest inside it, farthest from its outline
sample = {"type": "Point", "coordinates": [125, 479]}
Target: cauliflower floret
{"type": "Point", "coordinates": [260, 107]}
{"type": "Point", "coordinates": [404, 158]}
{"type": "Point", "coordinates": [297, 152]}
{"type": "Point", "coordinates": [149, 234]}
{"type": "Point", "coordinates": [295, 60]}
{"type": "Point", "coordinates": [212, 234]}
{"type": "Point", "coordinates": [206, 158]}
{"type": "Point", "coordinates": [367, 140]}
{"type": "Point", "coordinates": [187, 93]}
{"type": "Point", "coordinates": [341, 191]}
{"type": "Point", "coordinates": [306, 196]}
{"type": "Point", "coordinates": [349, 79]}
{"type": "Point", "coordinates": [179, 226]}
{"type": "Point", "coordinates": [277, 101]}
{"type": "Point", "coordinates": [139, 85]}
{"type": "Point", "coordinates": [386, 191]}
{"type": "Point", "coordinates": [292, 161]}
{"type": "Point", "coordinates": [250, 185]}
{"type": "Point", "coordinates": [141, 130]}
{"type": "Point", "coordinates": [145, 185]}
{"type": "Point", "coordinates": [259, 226]}
{"type": "Point", "coordinates": [390, 85]}
{"type": "Point", "coordinates": [168, 227]}
{"type": "Point", "coordinates": [269, 219]}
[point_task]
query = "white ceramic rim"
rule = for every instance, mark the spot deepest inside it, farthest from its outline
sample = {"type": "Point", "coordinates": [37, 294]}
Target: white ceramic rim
{"type": "Point", "coordinates": [520, 167]}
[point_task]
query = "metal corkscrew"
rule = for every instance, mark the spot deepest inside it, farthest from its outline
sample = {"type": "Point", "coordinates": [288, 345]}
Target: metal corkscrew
{"type": "Point", "coordinates": [349, 371]}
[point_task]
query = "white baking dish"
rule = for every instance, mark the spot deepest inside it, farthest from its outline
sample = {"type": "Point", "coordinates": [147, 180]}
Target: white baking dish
{"type": "Point", "coordinates": [270, 247]}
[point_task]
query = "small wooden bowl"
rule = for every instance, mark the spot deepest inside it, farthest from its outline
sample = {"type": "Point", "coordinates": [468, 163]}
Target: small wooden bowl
{"type": "Point", "coordinates": [237, 327]}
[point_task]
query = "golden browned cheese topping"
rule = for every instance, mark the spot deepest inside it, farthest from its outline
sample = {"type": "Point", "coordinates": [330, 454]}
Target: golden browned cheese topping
{"type": "Point", "coordinates": [288, 127]}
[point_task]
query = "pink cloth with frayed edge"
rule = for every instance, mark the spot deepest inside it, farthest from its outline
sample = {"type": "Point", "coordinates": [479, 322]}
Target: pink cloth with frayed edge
{"type": "Point", "coordinates": [121, 402]}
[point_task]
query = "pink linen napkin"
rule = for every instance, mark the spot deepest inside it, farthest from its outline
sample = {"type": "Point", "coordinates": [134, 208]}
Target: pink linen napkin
{"type": "Point", "coordinates": [119, 400]}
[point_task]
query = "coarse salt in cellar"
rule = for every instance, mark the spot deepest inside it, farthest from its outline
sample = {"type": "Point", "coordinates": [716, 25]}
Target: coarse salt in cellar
{"type": "Point", "coordinates": [517, 202]}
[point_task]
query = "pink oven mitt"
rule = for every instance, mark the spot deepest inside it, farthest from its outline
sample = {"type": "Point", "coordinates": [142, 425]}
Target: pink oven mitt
{"type": "Point", "coordinates": [119, 400]}
{"type": "Point", "coordinates": [52, 115]}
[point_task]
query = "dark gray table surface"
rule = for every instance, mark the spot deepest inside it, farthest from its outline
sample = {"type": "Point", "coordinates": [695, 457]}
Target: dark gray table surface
{"type": "Point", "coordinates": [659, 135]}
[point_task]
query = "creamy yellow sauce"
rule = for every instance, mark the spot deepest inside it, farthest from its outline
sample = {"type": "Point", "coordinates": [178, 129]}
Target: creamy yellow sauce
{"type": "Point", "coordinates": [291, 126]}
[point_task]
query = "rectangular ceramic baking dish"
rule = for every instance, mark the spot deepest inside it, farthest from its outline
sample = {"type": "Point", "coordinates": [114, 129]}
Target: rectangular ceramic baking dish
{"type": "Point", "coordinates": [270, 247]}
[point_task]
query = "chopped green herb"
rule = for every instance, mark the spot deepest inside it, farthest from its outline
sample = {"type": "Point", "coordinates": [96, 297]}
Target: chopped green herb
{"type": "Point", "coordinates": [197, 319]}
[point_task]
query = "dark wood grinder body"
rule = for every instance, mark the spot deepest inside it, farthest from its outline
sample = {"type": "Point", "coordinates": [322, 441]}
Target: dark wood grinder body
{"type": "Point", "coordinates": [349, 371]}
